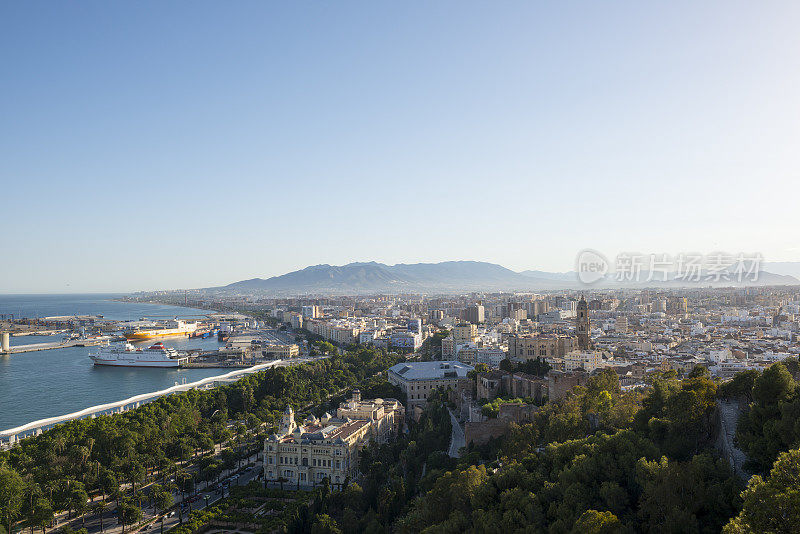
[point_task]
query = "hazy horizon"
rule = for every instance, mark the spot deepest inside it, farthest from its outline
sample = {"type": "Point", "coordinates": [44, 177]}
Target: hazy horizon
{"type": "Point", "coordinates": [147, 146]}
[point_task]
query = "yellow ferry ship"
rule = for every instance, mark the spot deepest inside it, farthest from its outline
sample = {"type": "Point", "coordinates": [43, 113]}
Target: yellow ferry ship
{"type": "Point", "coordinates": [174, 328]}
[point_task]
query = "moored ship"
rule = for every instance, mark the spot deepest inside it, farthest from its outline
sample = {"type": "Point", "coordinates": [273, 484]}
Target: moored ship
{"type": "Point", "coordinates": [204, 334]}
{"type": "Point", "coordinates": [156, 355]}
{"type": "Point", "coordinates": [176, 328]}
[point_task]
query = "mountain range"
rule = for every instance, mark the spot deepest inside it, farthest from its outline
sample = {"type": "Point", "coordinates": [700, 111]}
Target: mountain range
{"type": "Point", "coordinates": [447, 277]}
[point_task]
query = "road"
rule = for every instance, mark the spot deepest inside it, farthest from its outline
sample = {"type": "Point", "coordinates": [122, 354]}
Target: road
{"type": "Point", "coordinates": [729, 417]}
{"type": "Point", "coordinates": [457, 439]}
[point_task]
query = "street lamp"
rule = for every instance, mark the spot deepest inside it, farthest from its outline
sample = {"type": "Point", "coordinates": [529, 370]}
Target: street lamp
{"type": "Point", "coordinates": [206, 497]}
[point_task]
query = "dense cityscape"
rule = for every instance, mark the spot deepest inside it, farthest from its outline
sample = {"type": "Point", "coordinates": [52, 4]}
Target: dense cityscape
{"type": "Point", "coordinates": [380, 406]}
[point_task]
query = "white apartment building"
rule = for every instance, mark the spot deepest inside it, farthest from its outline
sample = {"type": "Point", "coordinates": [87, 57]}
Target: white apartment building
{"type": "Point", "coordinates": [472, 355]}
{"type": "Point", "coordinates": [311, 312]}
{"type": "Point", "coordinates": [343, 332]}
{"type": "Point", "coordinates": [448, 348]}
{"type": "Point", "coordinates": [367, 337]}
{"type": "Point", "coordinates": [584, 360]}
{"type": "Point", "coordinates": [296, 320]}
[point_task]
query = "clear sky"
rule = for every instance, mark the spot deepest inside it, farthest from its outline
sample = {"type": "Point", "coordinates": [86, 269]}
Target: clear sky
{"type": "Point", "coordinates": [148, 145]}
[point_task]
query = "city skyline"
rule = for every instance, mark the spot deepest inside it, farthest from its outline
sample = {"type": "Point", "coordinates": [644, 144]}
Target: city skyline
{"type": "Point", "coordinates": [454, 266]}
{"type": "Point", "coordinates": [148, 147]}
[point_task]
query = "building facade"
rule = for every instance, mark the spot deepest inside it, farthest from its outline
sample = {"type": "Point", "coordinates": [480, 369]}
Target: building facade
{"type": "Point", "coordinates": [465, 333]}
{"type": "Point", "coordinates": [582, 324]}
{"type": "Point", "coordinates": [584, 360]}
{"type": "Point", "coordinates": [475, 314]}
{"type": "Point", "coordinates": [280, 352]}
{"type": "Point", "coordinates": [420, 379]}
{"type": "Point", "coordinates": [305, 455]}
{"type": "Point", "coordinates": [531, 346]}
{"type": "Point", "coordinates": [405, 340]}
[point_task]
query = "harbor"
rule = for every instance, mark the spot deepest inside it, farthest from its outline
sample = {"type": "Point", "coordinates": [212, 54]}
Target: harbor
{"type": "Point", "coordinates": [51, 339]}
{"type": "Point", "coordinates": [12, 435]}
{"type": "Point", "coordinates": [239, 352]}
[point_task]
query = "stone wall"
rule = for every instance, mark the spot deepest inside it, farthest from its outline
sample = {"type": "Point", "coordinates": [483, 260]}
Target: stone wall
{"type": "Point", "coordinates": [480, 433]}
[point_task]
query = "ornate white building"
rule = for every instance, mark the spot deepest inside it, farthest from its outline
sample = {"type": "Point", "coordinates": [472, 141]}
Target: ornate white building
{"type": "Point", "coordinates": [328, 447]}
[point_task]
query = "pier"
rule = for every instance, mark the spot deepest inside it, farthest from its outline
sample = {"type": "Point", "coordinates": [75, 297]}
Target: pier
{"type": "Point", "coordinates": [7, 349]}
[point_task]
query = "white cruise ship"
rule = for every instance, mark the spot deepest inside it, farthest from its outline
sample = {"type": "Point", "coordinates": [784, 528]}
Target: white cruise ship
{"type": "Point", "coordinates": [156, 355]}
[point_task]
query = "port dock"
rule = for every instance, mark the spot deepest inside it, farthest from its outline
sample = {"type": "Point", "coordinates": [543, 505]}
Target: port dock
{"type": "Point", "coordinates": [7, 350]}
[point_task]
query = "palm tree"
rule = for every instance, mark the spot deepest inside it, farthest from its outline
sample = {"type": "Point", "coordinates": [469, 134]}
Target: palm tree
{"type": "Point", "coordinates": [166, 465]}
{"type": "Point", "coordinates": [32, 491]}
{"type": "Point", "coordinates": [59, 443]}
{"type": "Point", "coordinates": [94, 466]}
{"type": "Point", "coordinates": [98, 509]}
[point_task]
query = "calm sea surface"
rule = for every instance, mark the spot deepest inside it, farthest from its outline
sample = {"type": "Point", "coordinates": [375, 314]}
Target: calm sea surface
{"type": "Point", "coordinates": [36, 385]}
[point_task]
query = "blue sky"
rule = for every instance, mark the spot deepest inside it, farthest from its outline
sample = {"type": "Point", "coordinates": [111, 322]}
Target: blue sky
{"type": "Point", "coordinates": [150, 145]}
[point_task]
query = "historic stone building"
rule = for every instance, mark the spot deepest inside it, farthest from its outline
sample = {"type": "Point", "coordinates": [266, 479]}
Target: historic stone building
{"type": "Point", "coordinates": [328, 447]}
{"type": "Point", "coordinates": [532, 346]}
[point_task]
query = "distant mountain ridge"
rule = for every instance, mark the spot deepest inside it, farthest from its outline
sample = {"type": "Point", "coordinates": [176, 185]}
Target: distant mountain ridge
{"type": "Point", "coordinates": [372, 276]}
{"type": "Point", "coordinates": [443, 277]}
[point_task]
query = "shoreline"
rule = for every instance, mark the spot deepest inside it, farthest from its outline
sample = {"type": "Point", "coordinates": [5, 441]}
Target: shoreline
{"type": "Point", "coordinates": [11, 435]}
{"type": "Point", "coordinates": [15, 375]}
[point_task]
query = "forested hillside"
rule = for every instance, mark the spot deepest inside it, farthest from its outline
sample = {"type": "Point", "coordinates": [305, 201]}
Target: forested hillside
{"type": "Point", "coordinates": [607, 461]}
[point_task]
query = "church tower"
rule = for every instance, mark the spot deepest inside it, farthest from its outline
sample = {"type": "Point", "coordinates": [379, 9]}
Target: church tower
{"type": "Point", "coordinates": [582, 326]}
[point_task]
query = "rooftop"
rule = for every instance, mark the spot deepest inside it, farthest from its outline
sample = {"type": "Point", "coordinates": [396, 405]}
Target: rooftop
{"type": "Point", "coordinates": [431, 370]}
